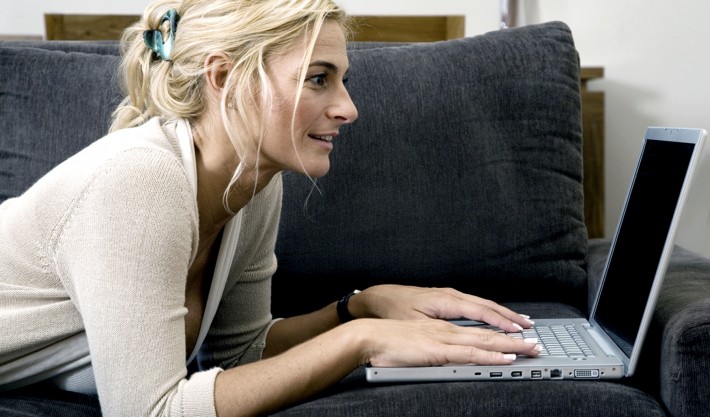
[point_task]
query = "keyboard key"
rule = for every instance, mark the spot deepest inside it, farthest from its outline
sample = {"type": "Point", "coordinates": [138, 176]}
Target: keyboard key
{"type": "Point", "coordinates": [558, 340]}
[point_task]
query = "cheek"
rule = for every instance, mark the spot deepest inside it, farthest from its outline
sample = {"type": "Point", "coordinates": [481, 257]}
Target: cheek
{"type": "Point", "coordinates": [306, 116]}
{"type": "Point", "coordinates": [277, 133]}
{"type": "Point", "coordinates": [280, 114]}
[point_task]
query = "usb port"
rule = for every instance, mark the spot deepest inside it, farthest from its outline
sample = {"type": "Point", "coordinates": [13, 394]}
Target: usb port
{"type": "Point", "coordinates": [537, 374]}
{"type": "Point", "coordinates": [496, 374]}
{"type": "Point", "coordinates": [517, 374]}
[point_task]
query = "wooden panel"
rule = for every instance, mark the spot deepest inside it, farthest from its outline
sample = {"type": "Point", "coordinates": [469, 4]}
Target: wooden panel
{"type": "Point", "coordinates": [407, 28]}
{"type": "Point", "coordinates": [593, 133]}
{"type": "Point", "coordinates": [20, 38]}
{"type": "Point", "coordinates": [86, 27]}
{"type": "Point", "coordinates": [365, 28]}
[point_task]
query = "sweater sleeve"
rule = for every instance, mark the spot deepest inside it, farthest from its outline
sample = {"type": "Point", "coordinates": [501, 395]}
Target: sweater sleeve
{"type": "Point", "coordinates": [123, 252]}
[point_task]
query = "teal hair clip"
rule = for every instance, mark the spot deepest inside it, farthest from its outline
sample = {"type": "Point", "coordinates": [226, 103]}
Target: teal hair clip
{"type": "Point", "coordinates": [153, 39]}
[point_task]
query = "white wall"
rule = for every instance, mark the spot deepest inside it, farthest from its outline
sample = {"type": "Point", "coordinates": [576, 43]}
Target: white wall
{"type": "Point", "coordinates": [656, 56]}
{"type": "Point", "coordinates": [481, 15]}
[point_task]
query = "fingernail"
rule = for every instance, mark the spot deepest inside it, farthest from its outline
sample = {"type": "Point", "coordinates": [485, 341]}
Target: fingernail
{"type": "Point", "coordinates": [510, 356]}
{"type": "Point", "coordinates": [517, 326]}
{"type": "Point", "coordinates": [527, 318]}
{"type": "Point", "coordinates": [531, 340]}
{"type": "Point", "coordinates": [538, 348]}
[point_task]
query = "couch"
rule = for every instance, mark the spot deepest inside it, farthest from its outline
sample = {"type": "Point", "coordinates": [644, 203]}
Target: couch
{"type": "Point", "coordinates": [463, 170]}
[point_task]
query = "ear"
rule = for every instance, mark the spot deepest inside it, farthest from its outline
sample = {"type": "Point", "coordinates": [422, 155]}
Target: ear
{"type": "Point", "coordinates": [217, 66]}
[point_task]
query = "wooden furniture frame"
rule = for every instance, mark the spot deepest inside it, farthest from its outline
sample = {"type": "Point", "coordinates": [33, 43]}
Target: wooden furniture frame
{"type": "Point", "coordinates": [86, 27]}
{"type": "Point", "coordinates": [365, 28]}
{"type": "Point", "coordinates": [407, 28]}
{"type": "Point", "coordinates": [593, 151]}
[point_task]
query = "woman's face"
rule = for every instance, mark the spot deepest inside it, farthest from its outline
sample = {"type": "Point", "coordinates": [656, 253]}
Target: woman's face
{"type": "Point", "coordinates": [324, 106]}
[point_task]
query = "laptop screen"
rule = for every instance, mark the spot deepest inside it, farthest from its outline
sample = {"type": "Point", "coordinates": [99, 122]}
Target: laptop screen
{"type": "Point", "coordinates": [644, 228]}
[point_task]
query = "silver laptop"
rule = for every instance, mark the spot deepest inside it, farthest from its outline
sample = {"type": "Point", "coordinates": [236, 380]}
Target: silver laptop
{"type": "Point", "coordinates": [607, 346]}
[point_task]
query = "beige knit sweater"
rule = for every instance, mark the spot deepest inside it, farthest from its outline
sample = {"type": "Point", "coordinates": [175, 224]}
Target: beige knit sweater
{"type": "Point", "coordinates": [93, 267]}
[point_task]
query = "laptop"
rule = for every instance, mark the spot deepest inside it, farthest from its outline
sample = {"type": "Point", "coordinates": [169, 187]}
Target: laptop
{"type": "Point", "coordinates": [607, 346]}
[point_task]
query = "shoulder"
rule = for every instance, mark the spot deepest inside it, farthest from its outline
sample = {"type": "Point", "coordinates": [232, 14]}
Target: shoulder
{"type": "Point", "coordinates": [138, 162]}
{"type": "Point", "coordinates": [125, 171]}
{"type": "Point", "coordinates": [143, 173]}
{"type": "Point", "coordinates": [149, 135]}
{"type": "Point", "coordinates": [138, 203]}
{"type": "Point", "coordinates": [142, 155]}
{"type": "Point", "coordinates": [130, 177]}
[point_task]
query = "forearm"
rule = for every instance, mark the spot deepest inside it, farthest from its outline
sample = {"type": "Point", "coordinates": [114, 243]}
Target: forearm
{"type": "Point", "coordinates": [392, 301]}
{"type": "Point", "coordinates": [309, 367]}
{"type": "Point", "coordinates": [297, 374]}
{"type": "Point", "coordinates": [289, 332]}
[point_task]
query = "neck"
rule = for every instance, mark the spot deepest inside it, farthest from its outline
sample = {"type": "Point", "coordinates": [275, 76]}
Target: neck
{"type": "Point", "coordinates": [216, 162]}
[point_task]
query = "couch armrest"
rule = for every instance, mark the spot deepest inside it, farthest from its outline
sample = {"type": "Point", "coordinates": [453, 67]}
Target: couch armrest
{"type": "Point", "coordinates": [683, 314]}
{"type": "Point", "coordinates": [679, 340]}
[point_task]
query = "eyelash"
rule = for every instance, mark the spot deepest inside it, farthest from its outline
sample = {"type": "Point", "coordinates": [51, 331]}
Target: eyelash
{"type": "Point", "coordinates": [318, 79]}
{"type": "Point", "coordinates": [321, 80]}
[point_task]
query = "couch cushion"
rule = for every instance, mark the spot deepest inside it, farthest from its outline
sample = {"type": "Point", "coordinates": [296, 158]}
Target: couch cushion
{"type": "Point", "coordinates": [464, 169]}
{"type": "Point", "coordinates": [52, 104]}
{"type": "Point", "coordinates": [355, 398]}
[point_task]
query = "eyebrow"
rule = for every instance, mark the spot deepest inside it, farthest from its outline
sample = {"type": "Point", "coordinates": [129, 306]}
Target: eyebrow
{"type": "Point", "coordinates": [328, 65]}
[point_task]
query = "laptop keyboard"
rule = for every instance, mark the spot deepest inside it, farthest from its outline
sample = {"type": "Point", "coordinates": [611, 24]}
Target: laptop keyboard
{"type": "Point", "coordinates": [558, 340]}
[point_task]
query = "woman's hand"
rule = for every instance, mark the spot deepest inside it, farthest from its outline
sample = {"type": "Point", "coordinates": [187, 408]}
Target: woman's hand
{"type": "Point", "coordinates": [437, 342]}
{"type": "Point", "coordinates": [307, 353]}
{"type": "Point", "coordinates": [410, 303]}
{"type": "Point", "coordinates": [323, 360]}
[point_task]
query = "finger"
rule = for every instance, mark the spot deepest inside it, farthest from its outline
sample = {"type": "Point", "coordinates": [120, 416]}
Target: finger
{"type": "Point", "coordinates": [490, 340]}
{"type": "Point", "coordinates": [472, 350]}
{"type": "Point", "coordinates": [493, 341]}
{"type": "Point", "coordinates": [481, 356]}
{"type": "Point", "coordinates": [436, 342]}
{"type": "Point", "coordinates": [495, 314]}
{"type": "Point", "coordinates": [468, 355]}
{"type": "Point", "coordinates": [505, 319]}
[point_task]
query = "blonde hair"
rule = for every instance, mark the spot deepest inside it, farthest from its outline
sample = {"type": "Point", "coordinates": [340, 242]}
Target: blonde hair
{"type": "Point", "coordinates": [250, 32]}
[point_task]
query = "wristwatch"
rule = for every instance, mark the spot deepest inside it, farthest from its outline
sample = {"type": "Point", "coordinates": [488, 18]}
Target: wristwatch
{"type": "Point", "coordinates": [342, 307]}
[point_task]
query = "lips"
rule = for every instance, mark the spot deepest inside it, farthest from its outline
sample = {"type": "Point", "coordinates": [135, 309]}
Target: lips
{"type": "Point", "coordinates": [323, 138]}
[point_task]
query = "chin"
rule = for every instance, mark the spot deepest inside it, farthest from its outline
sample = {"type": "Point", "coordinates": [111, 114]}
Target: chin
{"type": "Point", "coordinates": [316, 171]}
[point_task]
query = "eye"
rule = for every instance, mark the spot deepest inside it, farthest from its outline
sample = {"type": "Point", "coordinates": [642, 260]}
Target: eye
{"type": "Point", "coordinates": [345, 80]}
{"type": "Point", "coordinates": [318, 80]}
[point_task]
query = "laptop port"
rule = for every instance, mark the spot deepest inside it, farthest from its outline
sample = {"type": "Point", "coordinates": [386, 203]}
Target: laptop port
{"type": "Point", "coordinates": [517, 374]}
{"type": "Point", "coordinates": [586, 373]}
{"type": "Point", "coordinates": [496, 374]}
{"type": "Point", "coordinates": [555, 373]}
{"type": "Point", "coordinates": [536, 374]}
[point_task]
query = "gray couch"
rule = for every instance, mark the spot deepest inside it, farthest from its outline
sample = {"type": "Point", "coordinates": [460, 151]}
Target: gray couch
{"type": "Point", "coordinates": [464, 170]}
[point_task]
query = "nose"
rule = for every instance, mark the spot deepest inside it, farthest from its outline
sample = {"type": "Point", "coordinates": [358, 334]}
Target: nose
{"type": "Point", "coordinates": [343, 108]}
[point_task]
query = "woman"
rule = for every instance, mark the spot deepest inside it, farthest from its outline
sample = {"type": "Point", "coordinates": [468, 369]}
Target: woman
{"type": "Point", "coordinates": [153, 248]}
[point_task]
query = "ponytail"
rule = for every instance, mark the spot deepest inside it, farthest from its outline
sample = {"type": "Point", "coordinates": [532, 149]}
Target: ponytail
{"type": "Point", "coordinates": [148, 80]}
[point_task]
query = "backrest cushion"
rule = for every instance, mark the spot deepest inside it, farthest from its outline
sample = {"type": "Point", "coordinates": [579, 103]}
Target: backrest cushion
{"type": "Point", "coordinates": [464, 169]}
{"type": "Point", "coordinates": [52, 104]}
